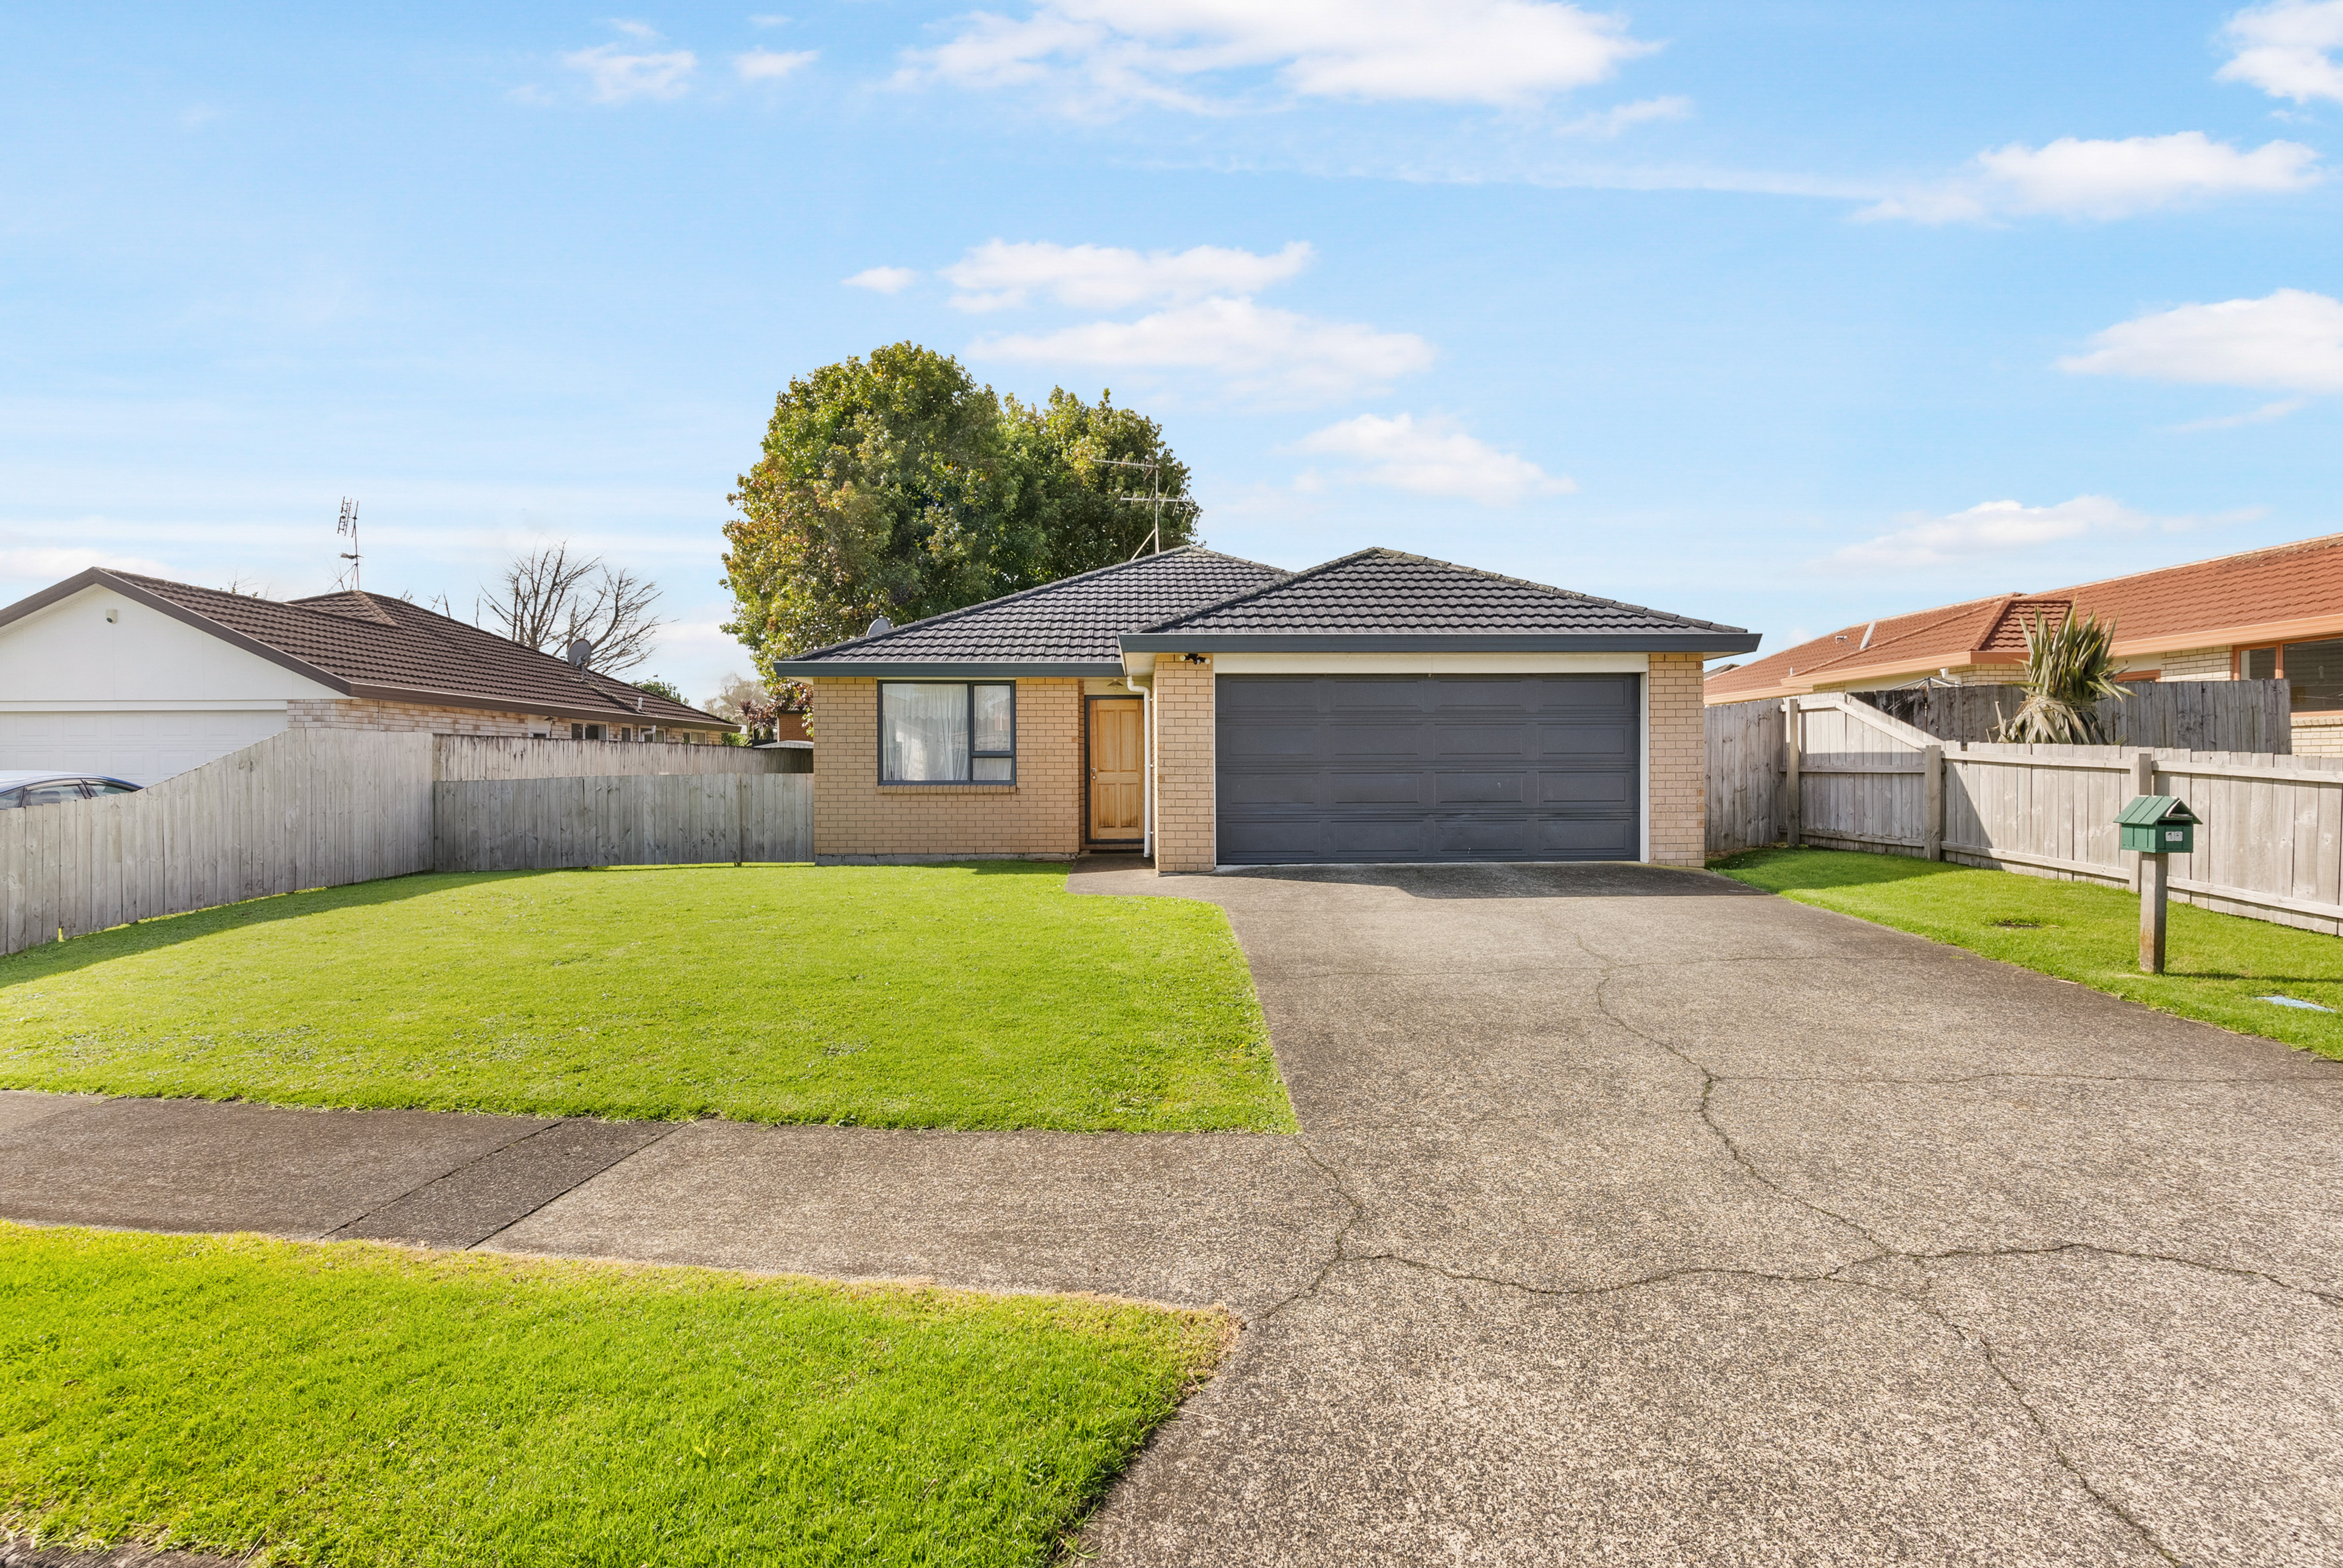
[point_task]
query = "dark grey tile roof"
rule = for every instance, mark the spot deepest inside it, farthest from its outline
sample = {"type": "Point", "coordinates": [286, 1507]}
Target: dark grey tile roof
{"type": "Point", "coordinates": [1075, 620]}
{"type": "Point", "coordinates": [1383, 592]}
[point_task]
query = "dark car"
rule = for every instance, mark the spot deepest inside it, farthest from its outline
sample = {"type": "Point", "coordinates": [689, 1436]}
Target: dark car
{"type": "Point", "coordinates": [55, 788]}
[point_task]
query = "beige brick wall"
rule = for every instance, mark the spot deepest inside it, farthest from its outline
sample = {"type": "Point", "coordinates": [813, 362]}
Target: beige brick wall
{"type": "Point", "coordinates": [1675, 794]}
{"type": "Point", "coordinates": [2318, 734]}
{"type": "Point", "coordinates": [364, 713]}
{"type": "Point", "coordinates": [855, 817]}
{"type": "Point", "coordinates": [1185, 797]}
{"type": "Point", "coordinates": [2191, 664]}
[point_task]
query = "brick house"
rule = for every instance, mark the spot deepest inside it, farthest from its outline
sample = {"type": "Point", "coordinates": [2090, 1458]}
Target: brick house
{"type": "Point", "coordinates": [110, 672]}
{"type": "Point", "coordinates": [1208, 710]}
{"type": "Point", "coordinates": [2273, 614]}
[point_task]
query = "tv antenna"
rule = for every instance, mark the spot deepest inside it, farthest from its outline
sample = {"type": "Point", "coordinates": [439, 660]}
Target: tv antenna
{"type": "Point", "coordinates": [349, 526]}
{"type": "Point", "coordinates": [1154, 499]}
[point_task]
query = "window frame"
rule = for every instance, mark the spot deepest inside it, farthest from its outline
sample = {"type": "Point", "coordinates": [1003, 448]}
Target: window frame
{"type": "Point", "coordinates": [2277, 668]}
{"type": "Point", "coordinates": [968, 692]}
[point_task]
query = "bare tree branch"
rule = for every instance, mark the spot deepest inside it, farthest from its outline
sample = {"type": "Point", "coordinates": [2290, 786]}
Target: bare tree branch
{"type": "Point", "coordinates": [548, 599]}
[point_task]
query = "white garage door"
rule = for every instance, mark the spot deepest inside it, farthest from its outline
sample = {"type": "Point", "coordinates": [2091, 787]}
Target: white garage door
{"type": "Point", "coordinates": [144, 747]}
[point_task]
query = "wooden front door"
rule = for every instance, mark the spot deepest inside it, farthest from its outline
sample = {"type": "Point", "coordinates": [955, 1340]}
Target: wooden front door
{"type": "Point", "coordinates": [1118, 764]}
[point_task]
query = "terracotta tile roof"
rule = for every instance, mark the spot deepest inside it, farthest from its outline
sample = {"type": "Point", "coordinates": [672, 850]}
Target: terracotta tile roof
{"type": "Point", "coordinates": [2286, 591]}
{"type": "Point", "coordinates": [1073, 621]}
{"type": "Point", "coordinates": [387, 646]}
{"type": "Point", "coordinates": [1379, 592]}
{"type": "Point", "coordinates": [2008, 633]}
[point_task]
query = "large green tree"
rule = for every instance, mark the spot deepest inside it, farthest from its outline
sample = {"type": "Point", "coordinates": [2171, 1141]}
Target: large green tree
{"type": "Point", "coordinates": [898, 486]}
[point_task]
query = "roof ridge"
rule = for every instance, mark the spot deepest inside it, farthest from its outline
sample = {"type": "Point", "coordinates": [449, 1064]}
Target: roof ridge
{"type": "Point", "coordinates": [1379, 550]}
{"type": "Point", "coordinates": [942, 615]}
{"type": "Point", "coordinates": [2318, 542]}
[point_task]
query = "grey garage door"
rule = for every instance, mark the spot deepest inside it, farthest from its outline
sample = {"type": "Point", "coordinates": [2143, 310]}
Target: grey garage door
{"type": "Point", "coordinates": [1429, 768]}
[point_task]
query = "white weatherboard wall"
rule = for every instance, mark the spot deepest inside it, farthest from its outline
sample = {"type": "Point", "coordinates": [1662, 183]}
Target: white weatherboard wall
{"type": "Point", "coordinates": [142, 697]}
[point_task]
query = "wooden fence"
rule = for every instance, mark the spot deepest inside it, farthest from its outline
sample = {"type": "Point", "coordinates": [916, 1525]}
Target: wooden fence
{"type": "Point", "coordinates": [302, 808]}
{"type": "Point", "coordinates": [323, 808]}
{"type": "Point", "coordinates": [1744, 775]}
{"type": "Point", "coordinates": [465, 757]}
{"type": "Point", "coordinates": [537, 824]}
{"type": "Point", "coordinates": [2182, 715]}
{"type": "Point", "coordinates": [2271, 846]}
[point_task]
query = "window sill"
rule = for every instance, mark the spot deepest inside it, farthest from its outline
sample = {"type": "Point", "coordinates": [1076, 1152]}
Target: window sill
{"type": "Point", "coordinates": [909, 789]}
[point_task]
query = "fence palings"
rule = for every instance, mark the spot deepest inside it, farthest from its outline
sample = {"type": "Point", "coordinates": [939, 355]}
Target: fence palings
{"type": "Point", "coordinates": [540, 824]}
{"type": "Point", "coordinates": [303, 808]}
{"type": "Point", "coordinates": [2217, 715]}
{"type": "Point", "coordinates": [2271, 846]}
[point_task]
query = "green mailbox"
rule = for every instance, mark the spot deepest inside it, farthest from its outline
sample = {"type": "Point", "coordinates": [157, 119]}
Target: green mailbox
{"type": "Point", "coordinates": [2159, 825]}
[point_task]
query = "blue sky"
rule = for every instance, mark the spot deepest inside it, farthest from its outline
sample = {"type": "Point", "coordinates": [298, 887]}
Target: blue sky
{"type": "Point", "coordinates": [1783, 314]}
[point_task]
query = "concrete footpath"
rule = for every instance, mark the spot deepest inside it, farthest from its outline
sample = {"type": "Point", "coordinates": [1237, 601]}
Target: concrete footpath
{"type": "Point", "coordinates": [1637, 1218]}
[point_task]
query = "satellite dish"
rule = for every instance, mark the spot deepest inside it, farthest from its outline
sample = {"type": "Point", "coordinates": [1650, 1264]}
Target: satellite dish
{"type": "Point", "coordinates": [882, 624]}
{"type": "Point", "coordinates": [580, 651]}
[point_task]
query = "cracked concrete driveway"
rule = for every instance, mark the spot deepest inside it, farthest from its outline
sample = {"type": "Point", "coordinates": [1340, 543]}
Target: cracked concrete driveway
{"type": "Point", "coordinates": [1688, 1225]}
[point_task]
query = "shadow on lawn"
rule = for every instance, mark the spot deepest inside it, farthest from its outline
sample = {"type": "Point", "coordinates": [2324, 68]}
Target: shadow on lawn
{"type": "Point", "coordinates": [168, 931]}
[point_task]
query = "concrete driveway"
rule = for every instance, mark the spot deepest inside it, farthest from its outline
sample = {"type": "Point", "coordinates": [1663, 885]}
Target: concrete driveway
{"type": "Point", "coordinates": [1687, 1225]}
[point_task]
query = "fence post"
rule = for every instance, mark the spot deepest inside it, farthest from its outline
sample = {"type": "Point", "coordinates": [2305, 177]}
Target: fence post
{"type": "Point", "coordinates": [741, 821]}
{"type": "Point", "coordinates": [1793, 805]}
{"type": "Point", "coordinates": [2143, 782]}
{"type": "Point", "coordinates": [2152, 897]}
{"type": "Point", "coordinates": [1932, 807]}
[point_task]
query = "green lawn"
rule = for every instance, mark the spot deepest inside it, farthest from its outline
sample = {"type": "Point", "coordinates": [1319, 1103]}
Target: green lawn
{"type": "Point", "coordinates": [353, 1405]}
{"type": "Point", "coordinates": [891, 996]}
{"type": "Point", "coordinates": [2218, 967]}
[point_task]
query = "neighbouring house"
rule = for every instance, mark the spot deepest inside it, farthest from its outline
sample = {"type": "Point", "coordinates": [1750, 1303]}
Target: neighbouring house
{"type": "Point", "coordinates": [110, 672]}
{"type": "Point", "coordinates": [2273, 614]}
{"type": "Point", "coordinates": [1210, 711]}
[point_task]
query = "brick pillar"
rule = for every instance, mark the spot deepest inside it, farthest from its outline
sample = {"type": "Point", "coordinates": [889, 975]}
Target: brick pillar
{"type": "Point", "coordinates": [1184, 769]}
{"type": "Point", "coordinates": [1677, 793]}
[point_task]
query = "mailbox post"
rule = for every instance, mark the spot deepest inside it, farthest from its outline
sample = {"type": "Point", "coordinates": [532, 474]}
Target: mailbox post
{"type": "Point", "coordinates": [2156, 826]}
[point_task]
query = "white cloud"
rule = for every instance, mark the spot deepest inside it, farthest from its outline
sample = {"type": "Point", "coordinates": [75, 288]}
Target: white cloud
{"type": "Point", "coordinates": [2106, 179]}
{"type": "Point", "coordinates": [2261, 415]}
{"type": "Point", "coordinates": [1608, 124]}
{"type": "Point", "coordinates": [771, 65]}
{"type": "Point", "coordinates": [2291, 340]}
{"type": "Point", "coordinates": [1496, 52]}
{"type": "Point", "coordinates": [1261, 353]}
{"type": "Point", "coordinates": [2002, 530]}
{"type": "Point", "coordinates": [1434, 457]}
{"type": "Point", "coordinates": [641, 32]}
{"type": "Point", "coordinates": [883, 279]}
{"type": "Point", "coordinates": [618, 77]}
{"type": "Point", "coordinates": [1102, 278]}
{"type": "Point", "coordinates": [2285, 49]}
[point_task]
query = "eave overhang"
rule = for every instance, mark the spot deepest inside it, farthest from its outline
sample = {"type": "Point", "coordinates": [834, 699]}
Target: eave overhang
{"type": "Point", "coordinates": [1434, 642]}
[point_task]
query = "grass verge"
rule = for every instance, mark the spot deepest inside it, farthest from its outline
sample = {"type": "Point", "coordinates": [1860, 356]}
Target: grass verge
{"type": "Point", "coordinates": [888, 996]}
{"type": "Point", "coordinates": [2218, 967]}
{"type": "Point", "coordinates": [360, 1405]}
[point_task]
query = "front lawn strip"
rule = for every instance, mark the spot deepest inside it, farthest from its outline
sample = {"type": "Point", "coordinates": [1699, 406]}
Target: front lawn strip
{"type": "Point", "coordinates": [2218, 967]}
{"type": "Point", "coordinates": [356, 1404]}
{"type": "Point", "coordinates": [980, 995]}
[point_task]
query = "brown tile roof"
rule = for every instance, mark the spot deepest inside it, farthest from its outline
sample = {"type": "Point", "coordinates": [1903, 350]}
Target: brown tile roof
{"type": "Point", "coordinates": [2286, 591]}
{"type": "Point", "coordinates": [389, 647]}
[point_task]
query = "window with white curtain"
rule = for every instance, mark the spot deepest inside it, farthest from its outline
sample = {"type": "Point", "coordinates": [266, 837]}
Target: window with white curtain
{"type": "Point", "coordinates": [947, 733]}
